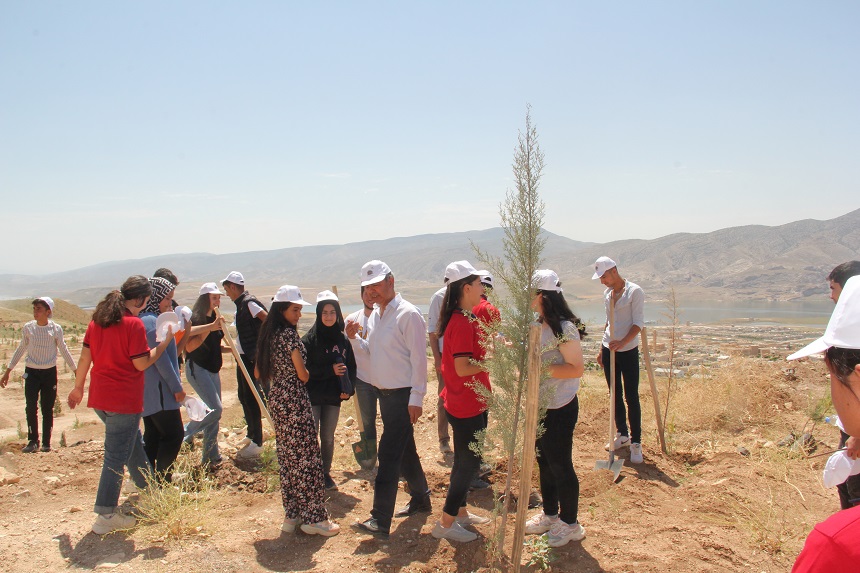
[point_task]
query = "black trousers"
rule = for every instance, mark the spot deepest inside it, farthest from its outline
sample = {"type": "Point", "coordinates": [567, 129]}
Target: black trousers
{"type": "Point", "coordinates": [253, 415]}
{"type": "Point", "coordinates": [626, 367]}
{"type": "Point", "coordinates": [40, 389]}
{"type": "Point", "coordinates": [559, 485]}
{"type": "Point", "coordinates": [162, 440]}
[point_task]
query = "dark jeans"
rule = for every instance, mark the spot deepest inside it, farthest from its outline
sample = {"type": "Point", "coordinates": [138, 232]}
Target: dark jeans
{"type": "Point", "coordinates": [162, 439]}
{"type": "Point", "coordinates": [626, 366]}
{"type": "Point", "coordinates": [466, 462]}
{"type": "Point", "coordinates": [325, 423]}
{"type": "Point", "coordinates": [40, 381]}
{"type": "Point", "coordinates": [849, 490]}
{"type": "Point", "coordinates": [559, 485]}
{"type": "Point", "coordinates": [365, 395]}
{"type": "Point", "coordinates": [397, 455]}
{"type": "Point", "coordinates": [253, 416]}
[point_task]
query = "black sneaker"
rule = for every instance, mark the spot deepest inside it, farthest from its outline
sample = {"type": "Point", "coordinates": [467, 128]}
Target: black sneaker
{"type": "Point", "coordinates": [31, 447]}
{"type": "Point", "coordinates": [371, 526]}
{"type": "Point", "coordinates": [45, 448]}
{"type": "Point", "coordinates": [478, 483]}
{"type": "Point", "coordinates": [416, 505]}
{"type": "Point", "coordinates": [329, 483]}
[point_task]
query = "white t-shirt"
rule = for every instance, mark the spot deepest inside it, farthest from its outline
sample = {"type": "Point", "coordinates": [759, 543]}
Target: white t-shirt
{"type": "Point", "coordinates": [565, 388]}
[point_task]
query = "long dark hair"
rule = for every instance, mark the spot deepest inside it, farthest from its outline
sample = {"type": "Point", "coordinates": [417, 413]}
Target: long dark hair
{"type": "Point", "coordinates": [111, 309]}
{"type": "Point", "coordinates": [200, 310]}
{"type": "Point", "coordinates": [453, 293]}
{"type": "Point", "coordinates": [556, 310]}
{"type": "Point", "coordinates": [272, 326]}
{"type": "Point", "coordinates": [842, 361]}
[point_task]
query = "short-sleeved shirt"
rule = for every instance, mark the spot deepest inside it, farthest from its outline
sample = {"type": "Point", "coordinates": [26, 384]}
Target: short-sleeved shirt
{"type": "Point", "coordinates": [629, 311]}
{"type": "Point", "coordinates": [832, 545]}
{"type": "Point", "coordinates": [563, 389]}
{"type": "Point", "coordinates": [115, 384]}
{"type": "Point", "coordinates": [462, 339]}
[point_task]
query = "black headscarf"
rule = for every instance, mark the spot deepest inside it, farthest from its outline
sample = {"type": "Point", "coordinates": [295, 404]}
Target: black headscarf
{"type": "Point", "coordinates": [327, 335]}
{"type": "Point", "coordinates": [160, 289]}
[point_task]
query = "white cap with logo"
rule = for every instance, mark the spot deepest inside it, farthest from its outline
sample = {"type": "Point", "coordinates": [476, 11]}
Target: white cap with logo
{"type": "Point", "coordinates": [234, 277]}
{"type": "Point", "coordinates": [461, 269]}
{"type": "Point", "coordinates": [546, 279]}
{"type": "Point", "coordinates": [290, 293]}
{"type": "Point", "coordinates": [210, 288]}
{"type": "Point", "coordinates": [601, 265]}
{"type": "Point", "coordinates": [843, 330]}
{"type": "Point", "coordinates": [47, 300]}
{"type": "Point", "coordinates": [327, 295]}
{"type": "Point", "coordinates": [373, 272]}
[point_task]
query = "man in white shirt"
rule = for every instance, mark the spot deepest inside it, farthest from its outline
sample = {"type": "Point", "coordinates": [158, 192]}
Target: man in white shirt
{"type": "Point", "coordinates": [629, 302]}
{"type": "Point", "coordinates": [365, 395]}
{"type": "Point", "coordinates": [396, 344]}
{"type": "Point", "coordinates": [250, 314]}
{"type": "Point", "coordinates": [436, 349]}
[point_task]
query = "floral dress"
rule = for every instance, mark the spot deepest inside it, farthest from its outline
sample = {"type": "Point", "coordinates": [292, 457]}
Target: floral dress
{"type": "Point", "coordinates": [301, 470]}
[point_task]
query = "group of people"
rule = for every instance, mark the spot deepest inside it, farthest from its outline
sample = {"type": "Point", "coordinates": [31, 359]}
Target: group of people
{"type": "Point", "coordinates": [377, 353]}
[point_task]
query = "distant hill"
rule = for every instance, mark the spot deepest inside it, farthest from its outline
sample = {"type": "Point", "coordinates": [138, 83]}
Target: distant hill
{"type": "Point", "coordinates": [785, 262]}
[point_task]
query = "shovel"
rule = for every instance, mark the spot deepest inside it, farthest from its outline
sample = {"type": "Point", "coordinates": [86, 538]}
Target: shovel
{"type": "Point", "coordinates": [611, 464]}
{"type": "Point", "coordinates": [364, 449]}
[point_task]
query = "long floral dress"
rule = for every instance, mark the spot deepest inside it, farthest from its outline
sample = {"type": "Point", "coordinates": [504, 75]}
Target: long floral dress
{"type": "Point", "coordinates": [301, 468]}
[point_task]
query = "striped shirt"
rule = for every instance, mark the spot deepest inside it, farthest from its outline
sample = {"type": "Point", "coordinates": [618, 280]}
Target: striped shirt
{"type": "Point", "coordinates": [41, 344]}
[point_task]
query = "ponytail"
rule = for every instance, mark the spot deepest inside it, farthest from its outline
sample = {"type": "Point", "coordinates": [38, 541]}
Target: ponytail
{"type": "Point", "coordinates": [112, 308]}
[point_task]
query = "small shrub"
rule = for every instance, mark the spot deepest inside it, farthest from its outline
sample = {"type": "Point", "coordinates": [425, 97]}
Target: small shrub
{"type": "Point", "coordinates": [63, 442]}
{"type": "Point", "coordinates": [21, 434]}
{"type": "Point", "coordinates": [58, 408]}
{"type": "Point", "coordinates": [540, 553]}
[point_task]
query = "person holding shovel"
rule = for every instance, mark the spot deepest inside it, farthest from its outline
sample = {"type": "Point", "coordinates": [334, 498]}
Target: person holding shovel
{"type": "Point", "coordinates": [628, 301]}
{"type": "Point", "coordinates": [330, 358]}
{"type": "Point", "coordinates": [561, 332]}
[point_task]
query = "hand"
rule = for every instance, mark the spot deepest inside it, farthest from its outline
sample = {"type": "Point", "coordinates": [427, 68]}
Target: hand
{"type": "Point", "coordinates": [5, 379]}
{"type": "Point", "coordinates": [344, 396]}
{"type": "Point", "coordinates": [352, 327]}
{"type": "Point", "coordinates": [168, 336]}
{"type": "Point", "coordinates": [600, 359]}
{"type": "Point", "coordinates": [339, 368]}
{"type": "Point", "coordinates": [179, 396]}
{"type": "Point", "coordinates": [615, 345]}
{"type": "Point", "coordinates": [75, 397]}
{"type": "Point", "coordinates": [852, 447]}
{"type": "Point", "coordinates": [415, 413]}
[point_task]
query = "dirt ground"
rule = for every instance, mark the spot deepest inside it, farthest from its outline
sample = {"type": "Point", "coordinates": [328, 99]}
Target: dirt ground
{"type": "Point", "coordinates": [706, 507]}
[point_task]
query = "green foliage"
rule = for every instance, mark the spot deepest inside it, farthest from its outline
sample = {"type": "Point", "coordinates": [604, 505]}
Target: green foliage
{"type": "Point", "coordinates": [269, 466]}
{"type": "Point", "coordinates": [21, 434]}
{"type": "Point", "coordinates": [63, 442]}
{"type": "Point", "coordinates": [58, 407]}
{"type": "Point", "coordinates": [541, 553]}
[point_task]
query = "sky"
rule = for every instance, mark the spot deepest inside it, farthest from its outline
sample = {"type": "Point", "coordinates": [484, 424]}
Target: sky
{"type": "Point", "coordinates": [132, 130]}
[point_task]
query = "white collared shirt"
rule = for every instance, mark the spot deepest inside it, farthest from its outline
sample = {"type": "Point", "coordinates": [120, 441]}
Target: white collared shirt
{"type": "Point", "coordinates": [362, 359]}
{"type": "Point", "coordinates": [629, 312]}
{"type": "Point", "coordinates": [435, 312]}
{"type": "Point", "coordinates": [397, 346]}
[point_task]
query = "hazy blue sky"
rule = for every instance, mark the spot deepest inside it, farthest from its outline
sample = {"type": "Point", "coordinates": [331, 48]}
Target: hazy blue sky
{"type": "Point", "coordinates": [138, 129]}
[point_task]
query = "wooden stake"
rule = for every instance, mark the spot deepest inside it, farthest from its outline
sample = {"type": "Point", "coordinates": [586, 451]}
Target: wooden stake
{"type": "Point", "coordinates": [532, 399]}
{"type": "Point", "coordinates": [646, 355]}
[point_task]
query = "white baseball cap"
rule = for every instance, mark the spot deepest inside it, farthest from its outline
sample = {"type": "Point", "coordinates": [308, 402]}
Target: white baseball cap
{"type": "Point", "coordinates": [290, 293]}
{"type": "Point", "coordinates": [210, 288]}
{"type": "Point", "coordinates": [843, 330]}
{"type": "Point", "coordinates": [373, 272]}
{"type": "Point", "coordinates": [546, 279]}
{"type": "Point", "coordinates": [601, 265]}
{"type": "Point", "coordinates": [47, 300]}
{"type": "Point", "coordinates": [488, 280]}
{"type": "Point", "coordinates": [327, 295]}
{"type": "Point", "coordinates": [183, 313]}
{"type": "Point", "coordinates": [234, 277]}
{"type": "Point", "coordinates": [462, 269]}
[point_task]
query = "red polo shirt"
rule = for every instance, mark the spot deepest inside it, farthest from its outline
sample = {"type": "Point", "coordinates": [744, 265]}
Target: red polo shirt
{"type": "Point", "coordinates": [832, 545]}
{"type": "Point", "coordinates": [115, 384]}
{"type": "Point", "coordinates": [462, 339]}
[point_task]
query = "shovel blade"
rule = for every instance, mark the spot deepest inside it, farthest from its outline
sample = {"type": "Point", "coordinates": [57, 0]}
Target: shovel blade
{"type": "Point", "coordinates": [612, 465]}
{"type": "Point", "coordinates": [364, 451]}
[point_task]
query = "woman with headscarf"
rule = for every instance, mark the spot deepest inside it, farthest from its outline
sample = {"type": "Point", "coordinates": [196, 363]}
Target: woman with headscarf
{"type": "Point", "coordinates": [330, 358]}
{"type": "Point", "coordinates": [162, 391]}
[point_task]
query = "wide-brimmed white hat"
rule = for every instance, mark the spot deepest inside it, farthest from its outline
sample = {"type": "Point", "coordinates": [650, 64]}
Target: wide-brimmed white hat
{"type": "Point", "coordinates": [546, 279]}
{"type": "Point", "coordinates": [234, 277]}
{"type": "Point", "coordinates": [843, 330]}
{"type": "Point", "coordinates": [210, 288]}
{"type": "Point", "coordinates": [373, 272]}
{"type": "Point", "coordinates": [327, 295]}
{"type": "Point", "coordinates": [601, 265]}
{"type": "Point", "coordinates": [462, 269]}
{"type": "Point", "coordinates": [290, 293]}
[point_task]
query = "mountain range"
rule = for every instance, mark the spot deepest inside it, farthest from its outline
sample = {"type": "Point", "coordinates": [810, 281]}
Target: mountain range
{"type": "Point", "coordinates": [785, 262]}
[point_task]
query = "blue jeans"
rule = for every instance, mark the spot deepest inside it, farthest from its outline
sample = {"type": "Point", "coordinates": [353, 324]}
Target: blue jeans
{"type": "Point", "coordinates": [325, 423]}
{"type": "Point", "coordinates": [397, 455]}
{"type": "Point", "coordinates": [123, 445]}
{"type": "Point", "coordinates": [208, 387]}
{"type": "Point", "coordinates": [365, 395]}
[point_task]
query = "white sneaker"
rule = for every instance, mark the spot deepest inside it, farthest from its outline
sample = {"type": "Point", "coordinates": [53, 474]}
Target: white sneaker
{"type": "Point", "coordinates": [635, 453]}
{"type": "Point", "coordinates": [540, 523]}
{"type": "Point", "coordinates": [619, 442]}
{"type": "Point", "coordinates": [561, 533]}
{"type": "Point", "coordinates": [105, 523]}
{"type": "Point", "coordinates": [325, 528]}
{"type": "Point", "coordinates": [472, 519]}
{"type": "Point", "coordinates": [453, 533]}
{"type": "Point", "coordinates": [290, 524]}
{"type": "Point", "coordinates": [252, 450]}
{"type": "Point", "coordinates": [245, 441]}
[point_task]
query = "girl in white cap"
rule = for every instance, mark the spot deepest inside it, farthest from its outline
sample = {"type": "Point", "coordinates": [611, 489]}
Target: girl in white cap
{"type": "Point", "coordinates": [281, 361]}
{"type": "Point", "coordinates": [203, 352]}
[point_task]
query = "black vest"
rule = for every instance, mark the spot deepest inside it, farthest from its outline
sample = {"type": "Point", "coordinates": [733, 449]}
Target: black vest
{"type": "Point", "coordinates": [247, 326]}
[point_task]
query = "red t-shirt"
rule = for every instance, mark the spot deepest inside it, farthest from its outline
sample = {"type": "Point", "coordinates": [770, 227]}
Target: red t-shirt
{"type": "Point", "coordinates": [832, 545]}
{"type": "Point", "coordinates": [462, 338]}
{"type": "Point", "coordinates": [486, 312]}
{"type": "Point", "coordinates": [115, 384]}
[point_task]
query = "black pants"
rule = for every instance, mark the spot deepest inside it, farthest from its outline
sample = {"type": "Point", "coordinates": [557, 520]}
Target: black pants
{"type": "Point", "coordinates": [559, 485]}
{"type": "Point", "coordinates": [162, 439]}
{"type": "Point", "coordinates": [40, 381]}
{"type": "Point", "coordinates": [253, 416]}
{"type": "Point", "coordinates": [466, 462]}
{"type": "Point", "coordinates": [626, 366]}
